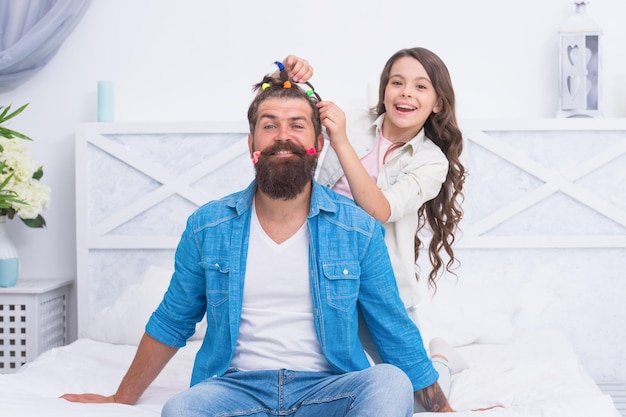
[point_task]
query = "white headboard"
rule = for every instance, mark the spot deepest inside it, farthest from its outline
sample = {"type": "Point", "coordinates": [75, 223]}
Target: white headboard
{"type": "Point", "coordinates": [544, 232]}
{"type": "Point", "coordinates": [548, 183]}
{"type": "Point", "coordinates": [136, 184]}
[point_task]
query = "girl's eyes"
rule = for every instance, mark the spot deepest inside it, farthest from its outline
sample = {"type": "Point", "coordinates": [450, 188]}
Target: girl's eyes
{"type": "Point", "coordinates": [417, 87]}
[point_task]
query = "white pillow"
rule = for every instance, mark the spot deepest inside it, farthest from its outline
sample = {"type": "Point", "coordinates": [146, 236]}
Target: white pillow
{"type": "Point", "coordinates": [124, 321]}
{"type": "Point", "coordinates": [464, 313]}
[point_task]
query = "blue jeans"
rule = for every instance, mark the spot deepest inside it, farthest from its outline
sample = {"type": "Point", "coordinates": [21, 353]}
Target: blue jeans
{"type": "Point", "coordinates": [380, 391]}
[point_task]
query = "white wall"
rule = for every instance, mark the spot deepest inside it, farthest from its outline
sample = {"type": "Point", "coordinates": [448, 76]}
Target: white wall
{"type": "Point", "coordinates": [195, 60]}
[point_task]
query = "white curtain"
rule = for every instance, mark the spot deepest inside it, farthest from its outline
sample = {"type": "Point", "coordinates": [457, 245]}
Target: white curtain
{"type": "Point", "coordinates": [31, 32]}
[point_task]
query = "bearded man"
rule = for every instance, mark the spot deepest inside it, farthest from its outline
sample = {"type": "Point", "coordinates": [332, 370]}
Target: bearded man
{"type": "Point", "coordinates": [282, 270]}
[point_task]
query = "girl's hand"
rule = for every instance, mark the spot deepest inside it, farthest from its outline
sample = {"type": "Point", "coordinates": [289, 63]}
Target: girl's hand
{"type": "Point", "coordinates": [334, 120]}
{"type": "Point", "coordinates": [298, 68]}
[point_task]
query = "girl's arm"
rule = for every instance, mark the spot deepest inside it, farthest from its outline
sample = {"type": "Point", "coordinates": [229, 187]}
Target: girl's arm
{"type": "Point", "coordinates": [364, 190]}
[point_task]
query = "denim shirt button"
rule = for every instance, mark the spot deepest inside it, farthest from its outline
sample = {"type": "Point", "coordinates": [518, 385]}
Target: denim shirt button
{"type": "Point", "coordinates": [345, 272]}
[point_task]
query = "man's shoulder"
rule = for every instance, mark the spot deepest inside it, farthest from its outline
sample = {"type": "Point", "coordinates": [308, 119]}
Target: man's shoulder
{"type": "Point", "coordinates": [345, 209]}
{"type": "Point", "coordinates": [227, 200]}
{"type": "Point", "coordinates": [227, 206]}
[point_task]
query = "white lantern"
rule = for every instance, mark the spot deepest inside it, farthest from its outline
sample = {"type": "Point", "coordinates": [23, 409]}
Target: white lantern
{"type": "Point", "coordinates": [579, 66]}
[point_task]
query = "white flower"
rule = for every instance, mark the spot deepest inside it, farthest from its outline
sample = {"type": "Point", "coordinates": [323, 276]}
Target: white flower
{"type": "Point", "coordinates": [33, 196]}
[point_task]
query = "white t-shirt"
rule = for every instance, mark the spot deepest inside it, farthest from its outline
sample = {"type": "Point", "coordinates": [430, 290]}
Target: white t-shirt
{"type": "Point", "coordinates": [277, 330]}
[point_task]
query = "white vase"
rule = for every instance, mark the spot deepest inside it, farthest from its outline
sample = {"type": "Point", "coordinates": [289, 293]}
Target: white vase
{"type": "Point", "coordinates": [9, 259]}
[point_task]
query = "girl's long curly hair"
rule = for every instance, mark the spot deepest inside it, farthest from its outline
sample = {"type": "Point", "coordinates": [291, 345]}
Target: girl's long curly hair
{"type": "Point", "coordinates": [444, 212]}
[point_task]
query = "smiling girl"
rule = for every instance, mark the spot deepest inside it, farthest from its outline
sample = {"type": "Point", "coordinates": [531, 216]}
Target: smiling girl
{"type": "Point", "coordinates": [400, 163]}
{"type": "Point", "coordinates": [403, 166]}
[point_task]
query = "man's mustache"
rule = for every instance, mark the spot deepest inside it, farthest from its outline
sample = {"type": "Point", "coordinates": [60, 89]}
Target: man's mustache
{"type": "Point", "coordinates": [284, 146]}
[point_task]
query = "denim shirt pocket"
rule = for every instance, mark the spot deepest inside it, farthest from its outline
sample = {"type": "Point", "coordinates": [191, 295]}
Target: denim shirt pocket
{"type": "Point", "coordinates": [342, 284]}
{"type": "Point", "coordinates": [217, 273]}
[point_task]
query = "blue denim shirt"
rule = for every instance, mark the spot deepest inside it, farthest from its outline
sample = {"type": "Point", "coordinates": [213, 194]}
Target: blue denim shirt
{"type": "Point", "coordinates": [349, 270]}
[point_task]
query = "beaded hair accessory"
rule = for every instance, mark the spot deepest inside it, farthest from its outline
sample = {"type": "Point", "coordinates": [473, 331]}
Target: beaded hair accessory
{"type": "Point", "coordinates": [271, 82]}
{"type": "Point", "coordinates": [284, 76]}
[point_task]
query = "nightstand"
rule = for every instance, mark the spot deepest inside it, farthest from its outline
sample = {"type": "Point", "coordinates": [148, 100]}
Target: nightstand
{"type": "Point", "coordinates": [33, 319]}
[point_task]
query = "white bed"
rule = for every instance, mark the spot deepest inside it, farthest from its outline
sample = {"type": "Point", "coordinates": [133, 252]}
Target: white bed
{"type": "Point", "coordinates": [136, 184]}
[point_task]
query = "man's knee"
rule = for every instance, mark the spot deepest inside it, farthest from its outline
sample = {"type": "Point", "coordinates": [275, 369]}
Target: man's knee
{"type": "Point", "coordinates": [182, 405]}
{"type": "Point", "coordinates": [393, 380]}
{"type": "Point", "coordinates": [171, 407]}
{"type": "Point", "coordinates": [387, 392]}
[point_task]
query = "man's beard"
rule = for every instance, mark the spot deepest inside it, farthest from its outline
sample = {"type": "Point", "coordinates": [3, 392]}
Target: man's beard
{"type": "Point", "coordinates": [284, 178]}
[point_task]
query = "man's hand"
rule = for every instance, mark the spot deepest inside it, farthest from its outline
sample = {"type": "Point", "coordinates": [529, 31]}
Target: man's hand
{"type": "Point", "coordinates": [150, 358]}
{"type": "Point", "coordinates": [88, 398]}
{"type": "Point", "coordinates": [433, 399]}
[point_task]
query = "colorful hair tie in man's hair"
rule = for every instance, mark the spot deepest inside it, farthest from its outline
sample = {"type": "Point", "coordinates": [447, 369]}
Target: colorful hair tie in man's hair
{"type": "Point", "coordinates": [284, 76]}
{"type": "Point", "coordinates": [312, 92]}
{"type": "Point", "coordinates": [271, 82]}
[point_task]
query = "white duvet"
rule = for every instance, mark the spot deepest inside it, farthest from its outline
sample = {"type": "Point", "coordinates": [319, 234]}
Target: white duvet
{"type": "Point", "coordinates": [535, 375]}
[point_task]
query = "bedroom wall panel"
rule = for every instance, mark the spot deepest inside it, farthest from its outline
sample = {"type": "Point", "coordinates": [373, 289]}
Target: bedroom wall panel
{"type": "Point", "coordinates": [136, 186]}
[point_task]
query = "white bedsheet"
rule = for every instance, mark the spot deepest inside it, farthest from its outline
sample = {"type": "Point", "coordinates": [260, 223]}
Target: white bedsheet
{"type": "Point", "coordinates": [536, 375]}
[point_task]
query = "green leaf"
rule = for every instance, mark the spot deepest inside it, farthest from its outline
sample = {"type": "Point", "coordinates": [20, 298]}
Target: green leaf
{"type": "Point", "coordinates": [7, 197]}
{"type": "Point", "coordinates": [36, 222]}
{"type": "Point", "coordinates": [7, 179]}
{"type": "Point", "coordinates": [7, 201]}
{"type": "Point", "coordinates": [38, 174]}
{"type": "Point", "coordinates": [4, 116]}
{"type": "Point", "coordinates": [11, 134]}
{"type": "Point", "coordinates": [4, 112]}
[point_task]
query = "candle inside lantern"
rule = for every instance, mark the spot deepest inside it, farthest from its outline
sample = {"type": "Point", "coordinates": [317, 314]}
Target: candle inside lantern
{"type": "Point", "coordinates": [105, 101]}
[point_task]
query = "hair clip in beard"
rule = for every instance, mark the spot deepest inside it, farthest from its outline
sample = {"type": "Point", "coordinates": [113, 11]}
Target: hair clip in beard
{"type": "Point", "coordinates": [256, 154]}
